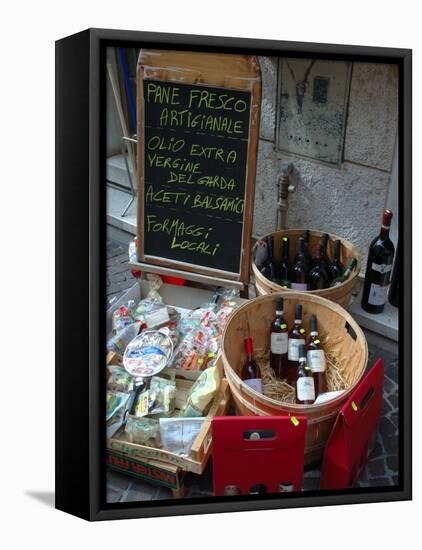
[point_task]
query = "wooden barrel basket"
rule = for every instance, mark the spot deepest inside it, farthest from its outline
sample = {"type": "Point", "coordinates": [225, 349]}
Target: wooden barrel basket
{"type": "Point", "coordinates": [341, 294]}
{"type": "Point", "coordinates": [341, 335]}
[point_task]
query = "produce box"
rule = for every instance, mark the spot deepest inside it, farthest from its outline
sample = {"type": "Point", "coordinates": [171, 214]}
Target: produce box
{"type": "Point", "coordinates": [184, 299]}
{"type": "Point", "coordinates": [201, 448]}
{"type": "Point", "coordinates": [153, 471]}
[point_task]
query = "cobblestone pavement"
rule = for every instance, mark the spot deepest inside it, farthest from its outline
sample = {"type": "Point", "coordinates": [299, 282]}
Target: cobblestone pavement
{"type": "Point", "coordinates": [381, 470]}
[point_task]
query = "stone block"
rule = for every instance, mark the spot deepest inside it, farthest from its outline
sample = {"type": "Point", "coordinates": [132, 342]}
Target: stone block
{"type": "Point", "coordinates": [269, 90]}
{"type": "Point", "coordinates": [373, 115]}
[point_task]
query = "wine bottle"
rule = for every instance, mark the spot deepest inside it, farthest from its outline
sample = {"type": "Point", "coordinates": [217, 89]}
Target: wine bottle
{"type": "Point", "coordinates": [347, 272]}
{"type": "Point", "coordinates": [251, 373]}
{"type": "Point", "coordinates": [315, 357]}
{"type": "Point", "coordinates": [308, 258]}
{"type": "Point", "coordinates": [279, 341]}
{"type": "Point", "coordinates": [285, 262]}
{"type": "Point", "coordinates": [269, 268]}
{"type": "Point", "coordinates": [318, 276]}
{"type": "Point", "coordinates": [393, 295]}
{"type": "Point", "coordinates": [305, 385]}
{"type": "Point", "coordinates": [299, 279]}
{"type": "Point", "coordinates": [335, 268]}
{"type": "Point", "coordinates": [322, 258]}
{"type": "Point", "coordinates": [378, 268]}
{"type": "Point", "coordinates": [297, 337]}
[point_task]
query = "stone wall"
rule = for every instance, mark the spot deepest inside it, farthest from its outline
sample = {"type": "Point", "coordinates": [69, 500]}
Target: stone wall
{"type": "Point", "coordinates": [347, 199]}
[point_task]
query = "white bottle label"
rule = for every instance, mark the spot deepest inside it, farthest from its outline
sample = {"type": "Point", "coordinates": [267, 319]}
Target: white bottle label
{"type": "Point", "coordinates": [255, 384]}
{"type": "Point", "coordinates": [305, 388]}
{"type": "Point", "coordinates": [378, 295]}
{"type": "Point", "coordinates": [316, 360]}
{"type": "Point", "coordinates": [279, 342]}
{"type": "Point", "coordinates": [382, 268]}
{"type": "Point", "coordinates": [299, 286]}
{"type": "Point", "coordinates": [293, 349]}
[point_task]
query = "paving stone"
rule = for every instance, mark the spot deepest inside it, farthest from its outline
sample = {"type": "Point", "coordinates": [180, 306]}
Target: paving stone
{"type": "Point", "coordinates": [389, 386]}
{"type": "Point", "coordinates": [119, 277]}
{"type": "Point", "coordinates": [393, 463]}
{"type": "Point", "coordinates": [116, 481]}
{"type": "Point", "coordinates": [139, 491]}
{"type": "Point", "coordinates": [386, 427]}
{"type": "Point", "coordinates": [386, 407]}
{"type": "Point", "coordinates": [393, 399]}
{"type": "Point", "coordinates": [163, 493]}
{"type": "Point", "coordinates": [311, 484]}
{"type": "Point", "coordinates": [117, 268]}
{"type": "Point", "coordinates": [392, 372]}
{"type": "Point", "coordinates": [113, 495]}
{"type": "Point", "coordinates": [381, 482]}
{"type": "Point", "coordinates": [391, 445]}
{"type": "Point", "coordinates": [376, 467]}
{"type": "Point", "coordinates": [378, 451]}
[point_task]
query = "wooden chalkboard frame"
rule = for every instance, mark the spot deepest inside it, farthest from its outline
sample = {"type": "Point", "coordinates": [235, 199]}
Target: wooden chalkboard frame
{"type": "Point", "coordinates": [227, 71]}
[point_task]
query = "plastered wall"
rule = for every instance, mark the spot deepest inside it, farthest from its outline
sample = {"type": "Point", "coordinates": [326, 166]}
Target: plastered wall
{"type": "Point", "coordinates": [347, 199]}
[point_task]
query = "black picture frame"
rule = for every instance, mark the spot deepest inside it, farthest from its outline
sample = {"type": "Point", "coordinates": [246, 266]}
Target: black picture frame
{"type": "Point", "coordinates": [80, 273]}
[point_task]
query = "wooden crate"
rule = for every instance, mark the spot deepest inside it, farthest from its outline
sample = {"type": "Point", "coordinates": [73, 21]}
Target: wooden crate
{"type": "Point", "coordinates": [201, 448]}
{"type": "Point", "coordinates": [341, 294]}
{"type": "Point", "coordinates": [152, 471]}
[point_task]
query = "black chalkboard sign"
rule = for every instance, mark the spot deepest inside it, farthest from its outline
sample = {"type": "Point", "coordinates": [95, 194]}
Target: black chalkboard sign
{"type": "Point", "coordinates": [195, 151]}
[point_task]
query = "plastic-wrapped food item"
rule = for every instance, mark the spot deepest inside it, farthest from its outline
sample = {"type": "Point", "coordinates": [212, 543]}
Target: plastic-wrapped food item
{"type": "Point", "coordinates": [141, 405]}
{"type": "Point", "coordinates": [122, 317]}
{"type": "Point", "coordinates": [147, 306]}
{"type": "Point", "coordinates": [202, 393]}
{"type": "Point", "coordinates": [143, 430]}
{"type": "Point", "coordinates": [213, 348]}
{"type": "Point", "coordinates": [119, 380]}
{"type": "Point", "coordinates": [119, 341]}
{"type": "Point", "coordinates": [116, 409]}
{"type": "Point", "coordinates": [203, 315]}
{"type": "Point", "coordinates": [172, 332]}
{"type": "Point", "coordinates": [162, 396]}
{"type": "Point", "coordinates": [114, 401]}
{"type": "Point", "coordinates": [178, 434]}
{"type": "Point", "coordinates": [148, 354]}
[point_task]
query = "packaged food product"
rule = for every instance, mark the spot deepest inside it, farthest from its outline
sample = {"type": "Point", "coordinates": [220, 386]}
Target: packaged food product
{"type": "Point", "coordinates": [172, 331]}
{"type": "Point", "coordinates": [119, 380]}
{"type": "Point", "coordinates": [122, 317]}
{"type": "Point", "coordinates": [213, 348]}
{"type": "Point", "coordinates": [143, 430]}
{"type": "Point", "coordinates": [148, 353]}
{"type": "Point", "coordinates": [178, 434]}
{"type": "Point", "coordinates": [114, 401]}
{"type": "Point", "coordinates": [141, 405]}
{"type": "Point", "coordinates": [202, 393]}
{"type": "Point", "coordinates": [162, 395]}
{"type": "Point", "coordinates": [116, 410]}
{"type": "Point", "coordinates": [119, 341]}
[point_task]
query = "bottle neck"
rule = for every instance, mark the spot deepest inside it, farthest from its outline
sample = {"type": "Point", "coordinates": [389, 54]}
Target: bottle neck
{"type": "Point", "coordinates": [298, 322]}
{"type": "Point", "coordinates": [270, 249]}
{"type": "Point", "coordinates": [337, 251]}
{"type": "Point", "coordinates": [385, 231]}
{"type": "Point", "coordinates": [314, 334]}
{"type": "Point", "coordinates": [279, 313]}
{"type": "Point", "coordinates": [250, 357]}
